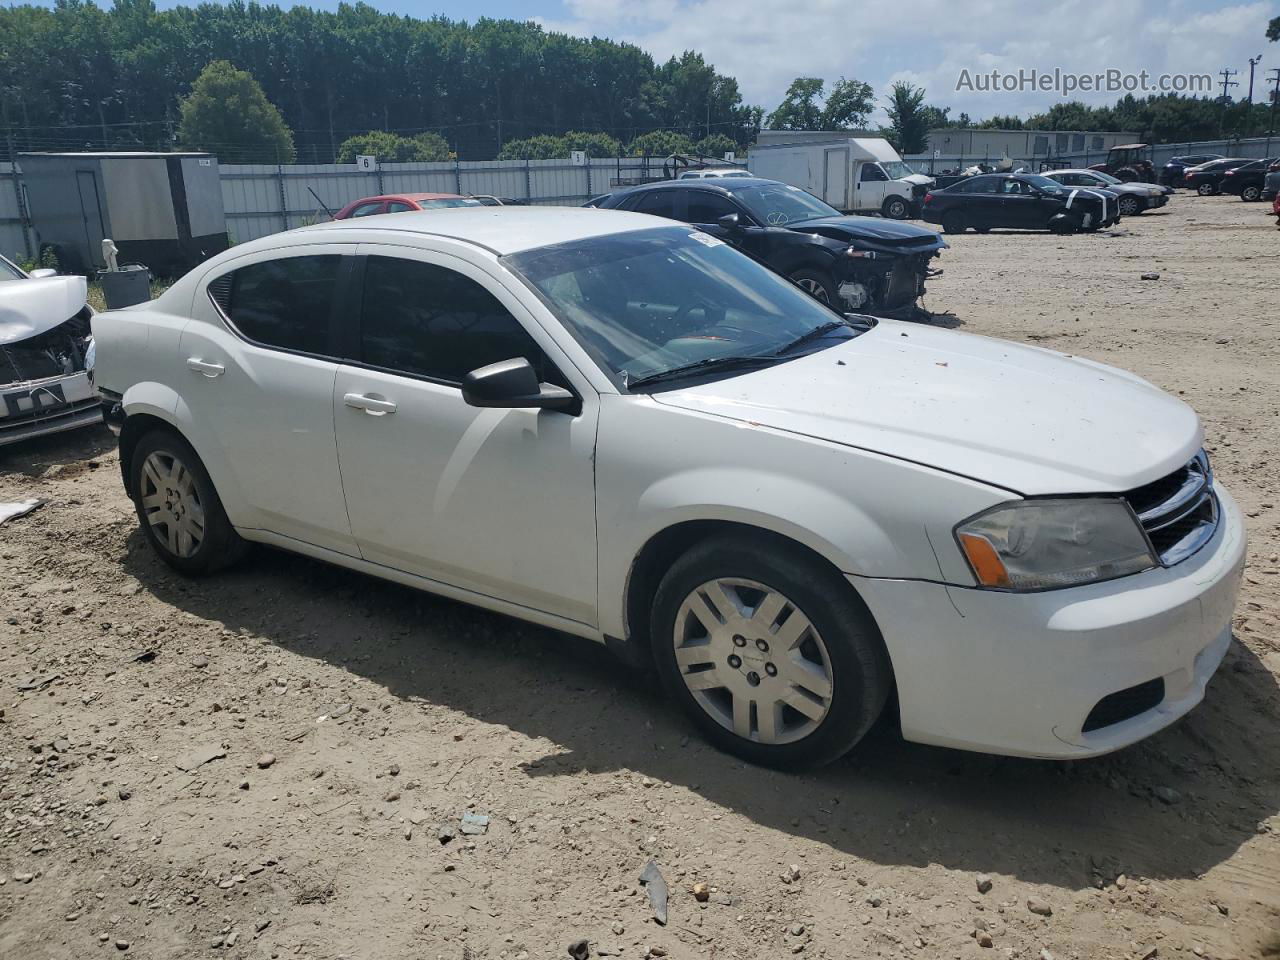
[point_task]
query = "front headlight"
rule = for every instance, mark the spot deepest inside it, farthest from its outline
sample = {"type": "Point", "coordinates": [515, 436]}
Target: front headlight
{"type": "Point", "coordinates": [1043, 544]}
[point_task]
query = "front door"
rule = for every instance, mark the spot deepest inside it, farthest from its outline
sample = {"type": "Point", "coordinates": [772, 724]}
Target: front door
{"type": "Point", "coordinates": [258, 370]}
{"type": "Point", "coordinates": [499, 502]}
{"type": "Point", "coordinates": [706, 207]}
{"type": "Point", "coordinates": [872, 182]}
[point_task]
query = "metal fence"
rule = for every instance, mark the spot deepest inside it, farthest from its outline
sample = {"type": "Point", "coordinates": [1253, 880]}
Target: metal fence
{"type": "Point", "coordinates": [261, 199]}
{"type": "Point", "coordinates": [1159, 154]}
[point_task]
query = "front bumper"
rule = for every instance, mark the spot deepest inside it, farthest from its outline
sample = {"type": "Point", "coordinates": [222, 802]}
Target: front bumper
{"type": "Point", "coordinates": [40, 407]}
{"type": "Point", "coordinates": [1021, 674]}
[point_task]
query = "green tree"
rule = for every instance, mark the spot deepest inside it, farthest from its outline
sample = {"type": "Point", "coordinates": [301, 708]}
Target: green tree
{"type": "Point", "coordinates": [1273, 30]}
{"type": "Point", "coordinates": [908, 118]}
{"type": "Point", "coordinates": [542, 147]}
{"type": "Point", "coordinates": [228, 114]}
{"type": "Point", "coordinates": [807, 106]}
{"type": "Point", "coordinates": [660, 143]}
{"type": "Point", "coordinates": [393, 148]}
{"type": "Point", "coordinates": [594, 143]}
{"type": "Point", "coordinates": [716, 145]}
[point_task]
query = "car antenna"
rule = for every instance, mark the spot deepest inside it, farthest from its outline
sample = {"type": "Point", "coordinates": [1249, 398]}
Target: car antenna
{"type": "Point", "coordinates": [321, 202]}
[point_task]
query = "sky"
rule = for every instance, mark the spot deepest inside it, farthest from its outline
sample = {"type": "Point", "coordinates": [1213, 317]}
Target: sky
{"type": "Point", "coordinates": [766, 43]}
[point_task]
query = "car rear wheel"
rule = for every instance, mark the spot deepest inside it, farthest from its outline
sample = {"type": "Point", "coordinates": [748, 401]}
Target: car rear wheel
{"type": "Point", "coordinates": [1130, 206]}
{"type": "Point", "coordinates": [953, 222]}
{"type": "Point", "coordinates": [772, 654]}
{"type": "Point", "coordinates": [178, 508]}
{"type": "Point", "coordinates": [895, 208]}
{"type": "Point", "coordinates": [1206, 190]}
{"type": "Point", "coordinates": [1251, 193]}
{"type": "Point", "coordinates": [818, 285]}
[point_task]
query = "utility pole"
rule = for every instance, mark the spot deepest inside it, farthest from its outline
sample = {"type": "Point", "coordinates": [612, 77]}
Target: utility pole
{"type": "Point", "coordinates": [1226, 74]}
{"type": "Point", "coordinates": [1253, 63]}
{"type": "Point", "coordinates": [1275, 96]}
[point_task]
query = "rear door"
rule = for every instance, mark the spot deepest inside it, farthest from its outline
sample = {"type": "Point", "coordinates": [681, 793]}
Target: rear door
{"type": "Point", "coordinates": [260, 363]}
{"type": "Point", "coordinates": [835, 178]}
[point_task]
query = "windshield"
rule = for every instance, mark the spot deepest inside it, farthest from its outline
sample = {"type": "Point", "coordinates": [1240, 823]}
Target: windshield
{"type": "Point", "coordinates": [1106, 177]}
{"type": "Point", "coordinates": [649, 301]}
{"type": "Point", "coordinates": [1044, 183]}
{"type": "Point", "coordinates": [450, 202]}
{"type": "Point", "coordinates": [896, 169]}
{"type": "Point", "coordinates": [780, 203]}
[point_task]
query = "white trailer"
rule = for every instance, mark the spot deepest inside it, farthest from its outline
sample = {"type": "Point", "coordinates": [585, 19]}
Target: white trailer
{"type": "Point", "coordinates": [853, 174]}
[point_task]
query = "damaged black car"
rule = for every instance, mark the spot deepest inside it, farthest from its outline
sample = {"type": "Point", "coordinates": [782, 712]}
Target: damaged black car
{"type": "Point", "coordinates": [46, 354]}
{"type": "Point", "coordinates": [867, 264]}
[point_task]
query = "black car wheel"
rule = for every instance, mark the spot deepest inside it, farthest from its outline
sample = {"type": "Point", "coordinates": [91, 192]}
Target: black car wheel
{"type": "Point", "coordinates": [1130, 206]}
{"type": "Point", "coordinates": [178, 508]}
{"type": "Point", "coordinates": [895, 208]}
{"type": "Point", "coordinates": [953, 222]}
{"type": "Point", "coordinates": [818, 285]}
{"type": "Point", "coordinates": [770, 652]}
{"type": "Point", "coordinates": [1251, 193]}
{"type": "Point", "coordinates": [1206, 190]}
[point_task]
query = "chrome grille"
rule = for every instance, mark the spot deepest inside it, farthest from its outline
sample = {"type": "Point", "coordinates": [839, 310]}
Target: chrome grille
{"type": "Point", "coordinates": [1179, 512]}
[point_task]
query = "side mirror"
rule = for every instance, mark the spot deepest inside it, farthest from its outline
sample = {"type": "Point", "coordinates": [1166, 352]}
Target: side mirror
{"type": "Point", "coordinates": [42, 273]}
{"type": "Point", "coordinates": [510, 384]}
{"type": "Point", "coordinates": [730, 221]}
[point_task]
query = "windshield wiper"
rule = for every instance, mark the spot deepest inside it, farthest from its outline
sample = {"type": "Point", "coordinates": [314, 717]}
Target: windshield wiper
{"type": "Point", "coordinates": [710, 364]}
{"type": "Point", "coordinates": [819, 331]}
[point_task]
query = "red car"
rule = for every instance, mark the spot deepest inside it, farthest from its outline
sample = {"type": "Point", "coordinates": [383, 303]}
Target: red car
{"type": "Point", "coordinates": [400, 202]}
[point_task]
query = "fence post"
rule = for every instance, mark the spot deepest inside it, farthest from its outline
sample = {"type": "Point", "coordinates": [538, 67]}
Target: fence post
{"type": "Point", "coordinates": [528, 180]}
{"type": "Point", "coordinates": [590, 192]}
{"type": "Point", "coordinates": [457, 175]}
{"type": "Point", "coordinates": [24, 221]}
{"type": "Point", "coordinates": [284, 202]}
{"type": "Point", "coordinates": [378, 171]}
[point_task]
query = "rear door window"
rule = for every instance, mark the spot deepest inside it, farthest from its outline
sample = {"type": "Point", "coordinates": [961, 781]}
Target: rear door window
{"type": "Point", "coordinates": [368, 209]}
{"type": "Point", "coordinates": [708, 207]}
{"type": "Point", "coordinates": [284, 303]}
{"type": "Point", "coordinates": [659, 203]}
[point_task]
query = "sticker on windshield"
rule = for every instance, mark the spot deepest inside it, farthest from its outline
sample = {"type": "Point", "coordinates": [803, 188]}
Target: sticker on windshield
{"type": "Point", "coordinates": [706, 239]}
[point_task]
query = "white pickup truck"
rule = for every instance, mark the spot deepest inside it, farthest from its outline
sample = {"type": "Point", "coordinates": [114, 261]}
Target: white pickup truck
{"type": "Point", "coordinates": [853, 174]}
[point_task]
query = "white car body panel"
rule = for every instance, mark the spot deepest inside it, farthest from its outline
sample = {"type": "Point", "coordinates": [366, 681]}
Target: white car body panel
{"type": "Point", "coordinates": [867, 453]}
{"type": "Point", "coordinates": [926, 395]}
{"type": "Point", "coordinates": [30, 307]}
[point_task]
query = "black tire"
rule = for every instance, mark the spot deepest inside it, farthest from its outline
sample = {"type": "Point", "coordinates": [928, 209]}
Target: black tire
{"type": "Point", "coordinates": [1206, 189]}
{"type": "Point", "coordinates": [953, 222]}
{"type": "Point", "coordinates": [220, 546]}
{"type": "Point", "coordinates": [1130, 206]}
{"type": "Point", "coordinates": [818, 284]}
{"type": "Point", "coordinates": [1068, 223]}
{"type": "Point", "coordinates": [861, 675]}
{"type": "Point", "coordinates": [1251, 194]}
{"type": "Point", "coordinates": [982, 229]}
{"type": "Point", "coordinates": [895, 208]}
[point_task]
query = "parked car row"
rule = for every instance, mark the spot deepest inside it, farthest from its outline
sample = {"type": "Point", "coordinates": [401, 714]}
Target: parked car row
{"type": "Point", "coordinates": [1026, 201]}
{"type": "Point", "coordinates": [628, 429]}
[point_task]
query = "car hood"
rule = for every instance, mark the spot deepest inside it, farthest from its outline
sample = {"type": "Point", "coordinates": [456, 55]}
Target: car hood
{"type": "Point", "coordinates": [1026, 419]}
{"type": "Point", "coordinates": [30, 307]}
{"type": "Point", "coordinates": [920, 179]}
{"type": "Point", "coordinates": [874, 232]}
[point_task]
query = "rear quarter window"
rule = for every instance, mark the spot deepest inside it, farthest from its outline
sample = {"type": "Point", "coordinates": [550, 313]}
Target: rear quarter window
{"type": "Point", "coordinates": [284, 303]}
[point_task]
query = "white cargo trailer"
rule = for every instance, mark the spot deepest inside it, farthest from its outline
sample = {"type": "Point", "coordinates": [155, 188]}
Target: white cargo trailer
{"type": "Point", "coordinates": [853, 174]}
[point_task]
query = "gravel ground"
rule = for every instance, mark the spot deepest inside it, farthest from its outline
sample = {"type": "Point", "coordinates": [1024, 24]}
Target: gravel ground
{"type": "Point", "coordinates": [270, 763]}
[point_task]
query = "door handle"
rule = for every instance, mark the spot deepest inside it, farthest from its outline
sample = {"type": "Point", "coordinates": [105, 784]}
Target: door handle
{"type": "Point", "coordinates": [209, 370]}
{"type": "Point", "coordinates": [370, 405]}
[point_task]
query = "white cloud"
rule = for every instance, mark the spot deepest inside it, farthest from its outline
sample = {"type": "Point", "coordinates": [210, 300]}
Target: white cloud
{"type": "Point", "coordinates": [766, 43]}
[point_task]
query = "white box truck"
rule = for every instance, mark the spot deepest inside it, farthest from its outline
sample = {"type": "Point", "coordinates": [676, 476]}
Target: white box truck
{"type": "Point", "coordinates": [853, 174]}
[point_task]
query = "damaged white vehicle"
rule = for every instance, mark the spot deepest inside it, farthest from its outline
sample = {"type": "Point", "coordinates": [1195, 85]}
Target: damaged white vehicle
{"type": "Point", "coordinates": [46, 354]}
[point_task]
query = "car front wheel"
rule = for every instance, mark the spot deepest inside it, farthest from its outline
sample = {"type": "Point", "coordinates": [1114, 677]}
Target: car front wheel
{"type": "Point", "coordinates": [818, 285]}
{"type": "Point", "coordinates": [1130, 206]}
{"type": "Point", "coordinates": [1251, 193]}
{"type": "Point", "coordinates": [1206, 190]}
{"type": "Point", "coordinates": [772, 654]}
{"type": "Point", "coordinates": [178, 508]}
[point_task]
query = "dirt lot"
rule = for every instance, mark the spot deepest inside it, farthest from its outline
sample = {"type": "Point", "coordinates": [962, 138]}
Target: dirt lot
{"type": "Point", "coordinates": [259, 765]}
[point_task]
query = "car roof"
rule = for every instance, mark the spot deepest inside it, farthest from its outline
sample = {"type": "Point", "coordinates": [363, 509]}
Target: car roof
{"type": "Point", "coordinates": [503, 230]}
{"type": "Point", "coordinates": [725, 184]}
{"type": "Point", "coordinates": [1128, 146]}
{"type": "Point", "coordinates": [411, 196]}
{"type": "Point", "coordinates": [1069, 170]}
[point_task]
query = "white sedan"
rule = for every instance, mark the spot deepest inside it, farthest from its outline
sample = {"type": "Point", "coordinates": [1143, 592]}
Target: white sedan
{"type": "Point", "coordinates": [622, 428]}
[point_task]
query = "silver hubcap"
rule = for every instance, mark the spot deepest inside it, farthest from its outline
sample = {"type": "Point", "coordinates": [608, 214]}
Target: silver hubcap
{"type": "Point", "coordinates": [171, 503]}
{"type": "Point", "coordinates": [753, 661]}
{"type": "Point", "coordinates": [813, 288]}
